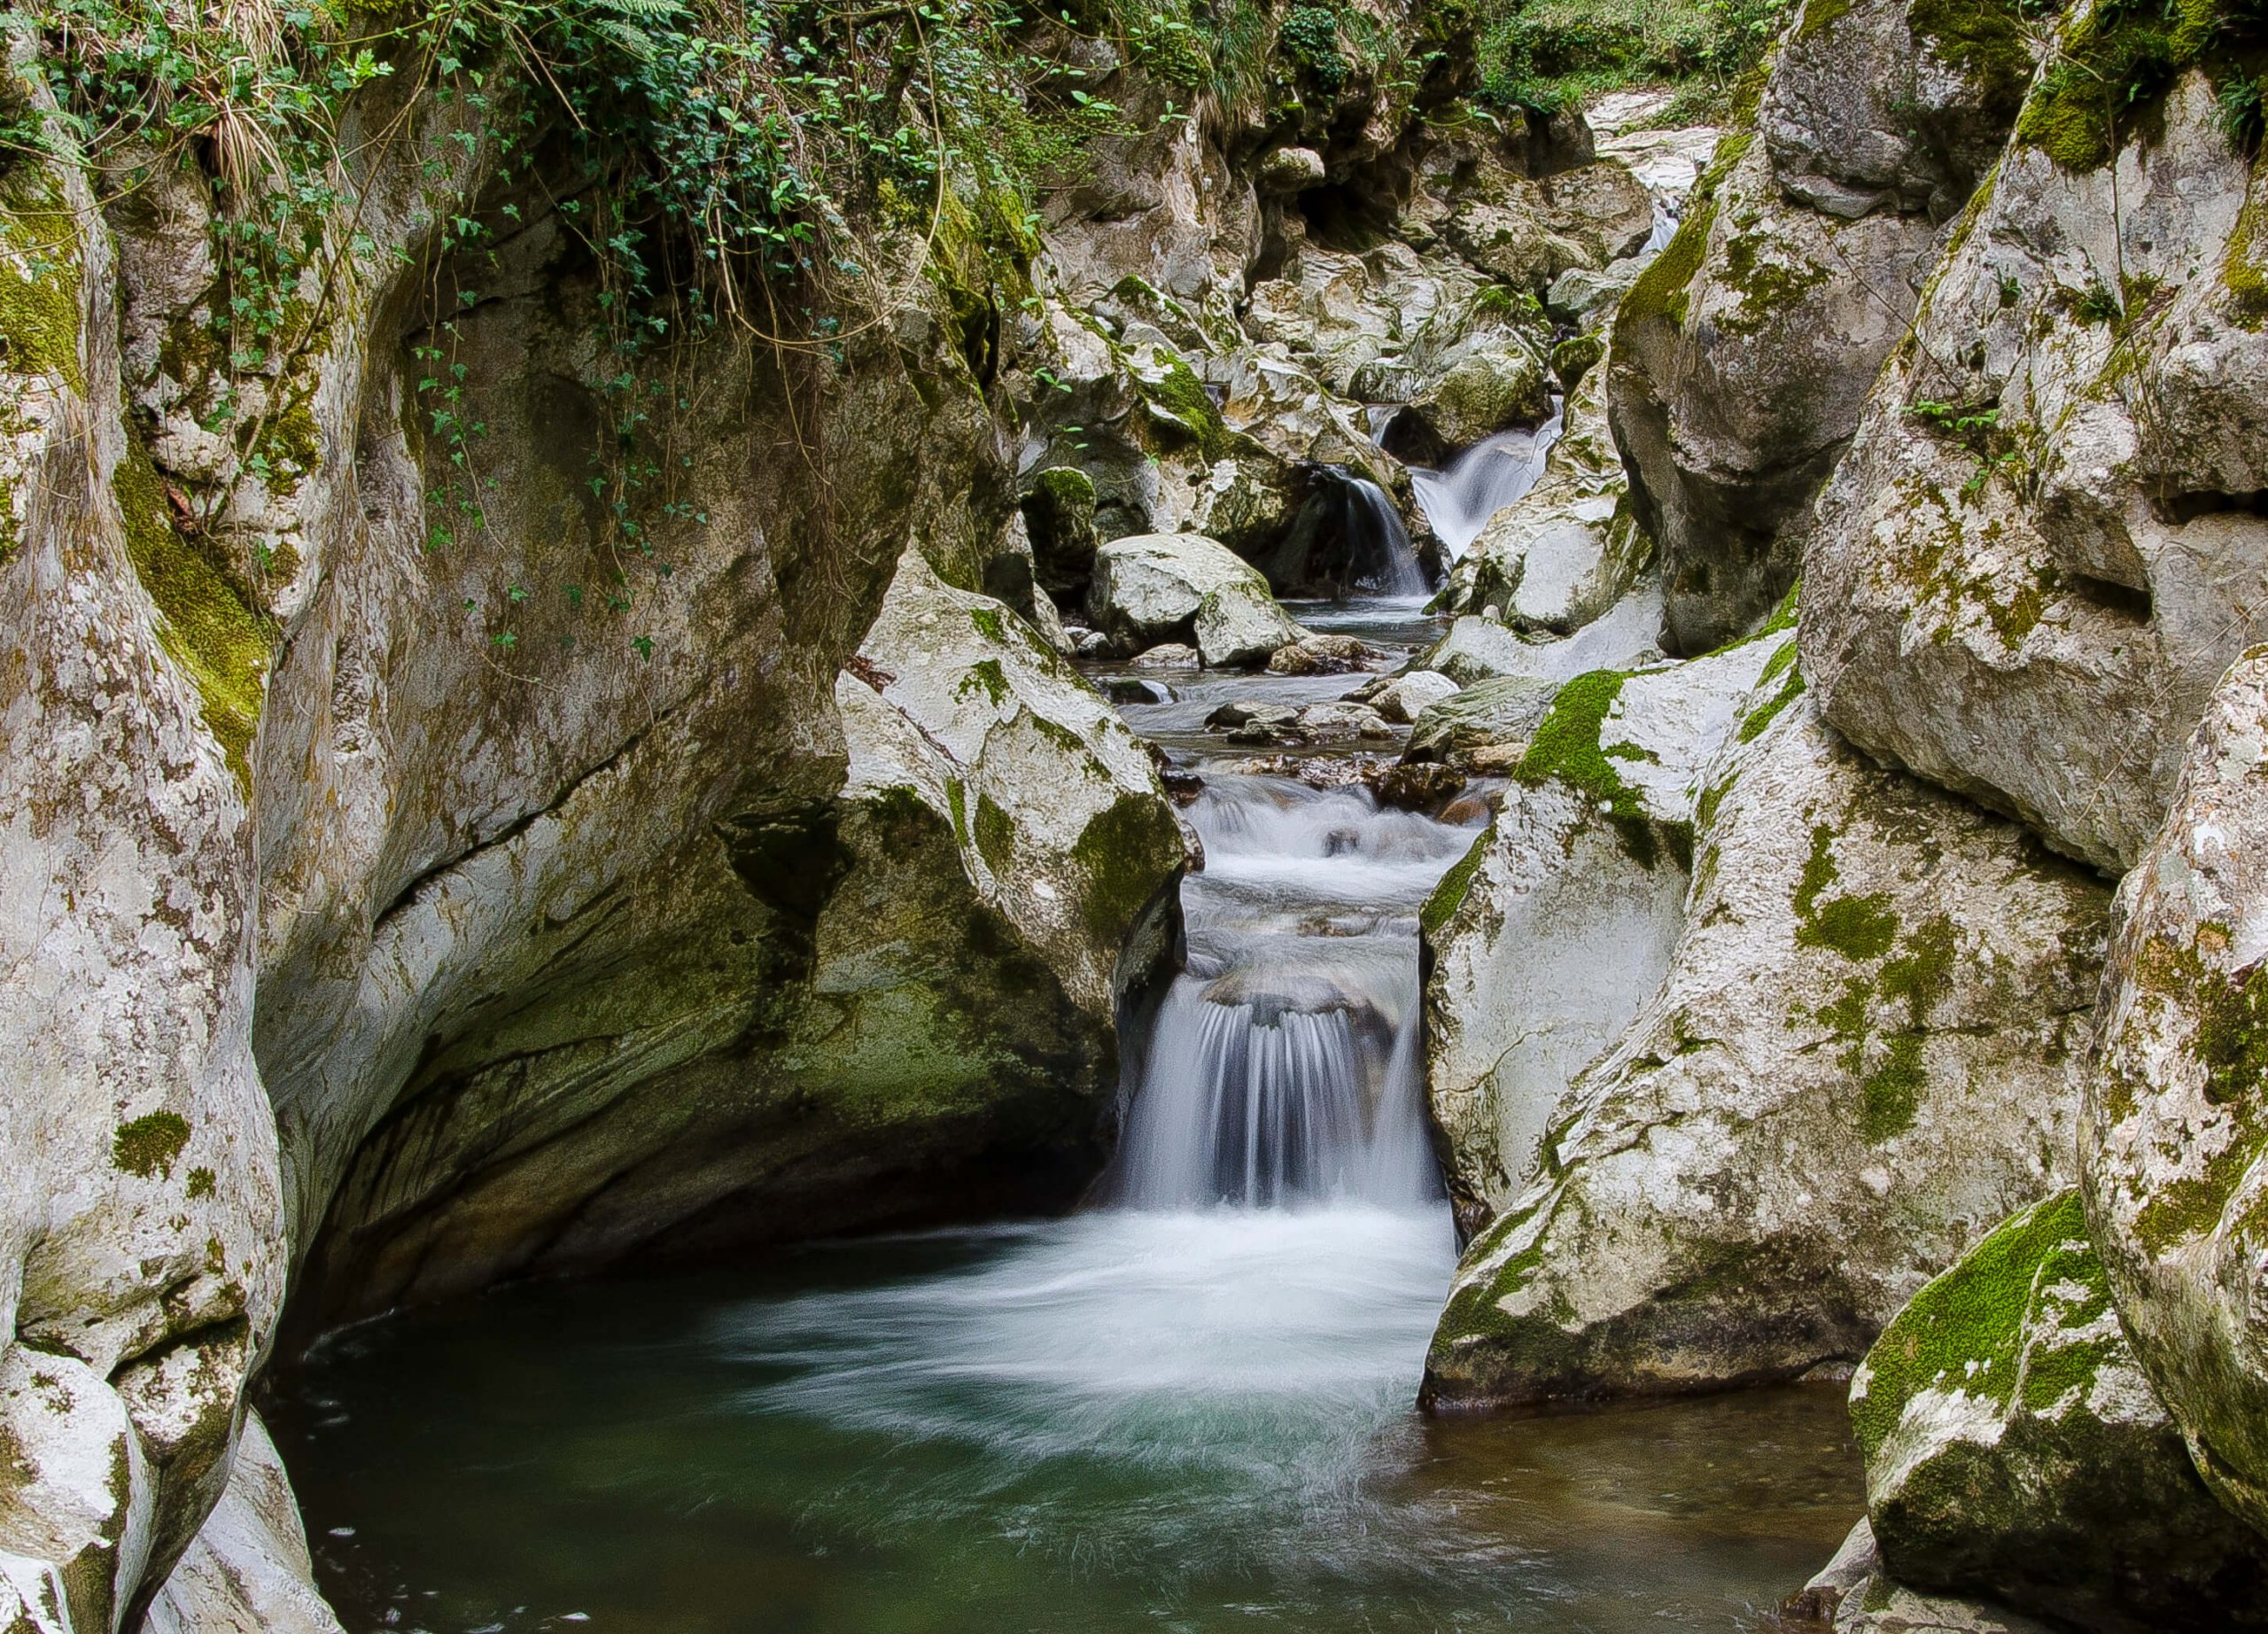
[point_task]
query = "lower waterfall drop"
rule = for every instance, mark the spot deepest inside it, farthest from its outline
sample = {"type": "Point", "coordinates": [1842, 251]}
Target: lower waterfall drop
{"type": "Point", "coordinates": [1283, 1065]}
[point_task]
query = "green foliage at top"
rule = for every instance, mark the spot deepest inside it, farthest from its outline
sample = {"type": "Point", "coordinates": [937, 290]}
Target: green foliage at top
{"type": "Point", "coordinates": [2121, 57]}
{"type": "Point", "coordinates": [1551, 54]}
{"type": "Point", "coordinates": [729, 166]}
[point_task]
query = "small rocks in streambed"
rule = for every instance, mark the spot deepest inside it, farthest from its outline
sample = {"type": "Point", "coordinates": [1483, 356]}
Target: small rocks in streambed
{"type": "Point", "coordinates": [1341, 723]}
{"type": "Point", "coordinates": [1316, 771]}
{"type": "Point", "coordinates": [1243, 711]}
{"type": "Point", "coordinates": [1321, 655]}
{"type": "Point", "coordinates": [1181, 785]}
{"type": "Point", "coordinates": [1402, 698]}
{"type": "Point", "coordinates": [1133, 690]}
{"type": "Point", "coordinates": [1167, 656]}
{"type": "Point", "coordinates": [1419, 788]}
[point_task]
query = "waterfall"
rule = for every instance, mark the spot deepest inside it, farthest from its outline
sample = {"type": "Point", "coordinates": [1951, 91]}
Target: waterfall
{"type": "Point", "coordinates": [1348, 535]}
{"type": "Point", "coordinates": [1284, 1064]}
{"type": "Point", "coordinates": [1495, 473]}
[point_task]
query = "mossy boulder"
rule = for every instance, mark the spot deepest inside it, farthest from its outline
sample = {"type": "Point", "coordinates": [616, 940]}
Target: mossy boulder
{"type": "Point", "coordinates": [2045, 545]}
{"type": "Point", "coordinates": [2178, 1100]}
{"type": "Point", "coordinates": [1562, 926]}
{"type": "Point", "coordinates": [1862, 1054]}
{"type": "Point", "coordinates": [2016, 1450]}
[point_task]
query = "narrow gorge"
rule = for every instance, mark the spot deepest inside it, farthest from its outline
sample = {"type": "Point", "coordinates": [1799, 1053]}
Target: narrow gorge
{"type": "Point", "coordinates": [1410, 815]}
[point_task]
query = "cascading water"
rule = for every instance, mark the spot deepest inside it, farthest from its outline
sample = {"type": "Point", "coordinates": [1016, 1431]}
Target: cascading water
{"type": "Point", "coordinates": [1349, 536]}
{"type": "Point", "coordinates": [1284, 1063]}
{"type": "Point", "coordinates": [1459, 498]}
{"type": "Point", "coordinates": [1189, 1408]}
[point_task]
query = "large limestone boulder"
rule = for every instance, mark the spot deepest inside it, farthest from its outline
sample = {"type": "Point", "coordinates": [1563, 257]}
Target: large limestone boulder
{"type": "Point", "coordinates": [142, 1246]}
{"type": "Point", "coordinates": [2045, 545]}
{"type": "Point", "coordinates": [1154, 587]}
{"type": "Point", "coordinates": [1569, 547]}
{"type": "Point", "coordinates": [1862, 1058]}
{"type": "Point", "coordinates": [1472, 369]}
{"type": "Point", "coordinates": [1557, 929]}
{"type": "Point", "coordinates": [2016, 1450]}
{"type": "Point", "coordinates": [2177, 1110]}
{"type": "Point", "coordinates": [1742, 355]}
{"type": "Point", "coordinates": [910, 1001]}
{"type": "Point", "coordinates": [249, 1571]}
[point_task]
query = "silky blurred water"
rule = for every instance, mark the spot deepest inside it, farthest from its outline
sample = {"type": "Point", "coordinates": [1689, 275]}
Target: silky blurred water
{"type": "Point", "coordinates": [1193, 1421]}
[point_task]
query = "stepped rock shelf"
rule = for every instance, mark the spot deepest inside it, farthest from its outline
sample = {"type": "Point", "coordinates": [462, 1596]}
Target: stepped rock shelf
{"type": "Point", "coordinates": [1470, 758]}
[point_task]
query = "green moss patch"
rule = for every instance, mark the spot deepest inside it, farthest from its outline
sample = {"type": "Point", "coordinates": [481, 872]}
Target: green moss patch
{"type": "Point", "coordinates": [148, 1146]}
{"type": "Point", "coordinates": [1664, 290]}
{"type": "Point", "coordinates": [1967, 1330]}
{"type": "Point", "coordinates": [206, 625]}
{"type": "Point", "coordinates": [1125, 853]}
{"type": "Point", "coordinates": [1982, 40]}
{"type": "Point", "coordinates": [1441, 906]}
{"type": "Point", "coordinates": [39, 280]}
{"type": "Point", "coordinates": [2117, 62]}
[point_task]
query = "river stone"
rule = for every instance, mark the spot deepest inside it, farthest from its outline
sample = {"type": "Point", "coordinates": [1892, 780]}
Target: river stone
{"type": "Point", "coordinates": [1475, 648]}
{"type": "Point", "coordinates": [1503, 710]}
{"type": "Point", "coordinates": [2035, 613]}
{"type": "Point", "coordinates": [2016, 1451]}
{"type": "Point", "coordinates": [249, 1571]}
{"type": "Point", "coordinates": [2177, 1112]}
{"type": "Point", "coordinates": [1404, 698]}
{"type": "Point", "coordinates": [1744, 354]}
{"type": "Point", "coordinates": [1321, 655]}
{"type": "Point", "coordinates": [1559, 925]}
{"type": "Point", "coordinates": [1154, 587]}
{"type": "Point", "coordinates": [1863, 1057]}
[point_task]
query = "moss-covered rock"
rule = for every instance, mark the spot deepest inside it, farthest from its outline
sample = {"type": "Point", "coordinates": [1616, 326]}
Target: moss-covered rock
{"type": "Point", "coordinates": [2177, 1107]}
{"type": "Point", "coordinates": [1566, 919]}
{"type": "Point", "coordinates": [2016, 1450]}
{"type": "Point", "coordinates": [1865, 1039]}
{"type": "Point", "coordinates": [2042, 550]}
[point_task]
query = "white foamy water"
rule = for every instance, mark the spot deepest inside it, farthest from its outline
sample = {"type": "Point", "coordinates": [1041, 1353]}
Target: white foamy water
{"type": "Point", "coordinates": [1495, 473]}
{"type": "Point", "coordinates": [1244, 1340]}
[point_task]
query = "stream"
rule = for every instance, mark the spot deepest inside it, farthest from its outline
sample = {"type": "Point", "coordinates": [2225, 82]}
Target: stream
{"type": "Point", "coordinates": [1187, 1407]}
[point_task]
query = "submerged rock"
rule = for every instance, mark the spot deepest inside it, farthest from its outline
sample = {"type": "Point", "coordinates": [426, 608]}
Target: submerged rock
{"type": "Point", "coordinates": [1862, 1057]}
{"type": "Point", "coordinates": [2016, 1451]}
{"type": "Point", "coordinates": [2176, 1115]}
{"type": "Point", "coordinates": [1154, 587]}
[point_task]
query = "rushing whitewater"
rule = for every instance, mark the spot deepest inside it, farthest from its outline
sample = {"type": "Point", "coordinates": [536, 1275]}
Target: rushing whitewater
{"type": "Point", "coordinates": [1495, 473]}
{"type": "Point", "coordinates": [1284, 1063]}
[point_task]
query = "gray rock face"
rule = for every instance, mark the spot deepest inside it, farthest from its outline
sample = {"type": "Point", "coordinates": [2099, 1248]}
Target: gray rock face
{"type": "Point", "coordinates": [142, 1248]}
{"type": "Point", "coordinates": [1742, 355]}
{"type": "Point", "coordinates": [2176, 1115]}
{"type": "Point", "coordinates": [1561, 924]}
{"type": "Point", "coordinates": [2014, 1450]}
{"type": "Point", "coordinates": [1862, 1057]}
{"type": "Point", "coordinates": [2040, 553]}
{"type": "Point", "coordinates": [1854, 1595]}
{"type": "Point", "coordinates": [248, 1572]}
{"type": "Point", "coordinates": [1476, 648]}
{"type": "Point", "coordinates": [1155, 588]}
